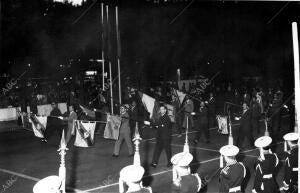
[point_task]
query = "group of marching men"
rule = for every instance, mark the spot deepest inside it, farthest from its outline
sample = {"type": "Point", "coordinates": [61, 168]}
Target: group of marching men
{"type": "Point", "coordinates": [231, 175]}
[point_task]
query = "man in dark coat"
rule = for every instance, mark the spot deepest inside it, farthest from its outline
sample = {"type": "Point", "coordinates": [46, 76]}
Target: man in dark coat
{"type": "Point", "coordinates": [245, 130]}
{"type": "Point", "coordinates": [54, 124]}
{"type": "Point", "coordinates": [202, 122]}
{"type": "Point", "coordinates": [163, 136]}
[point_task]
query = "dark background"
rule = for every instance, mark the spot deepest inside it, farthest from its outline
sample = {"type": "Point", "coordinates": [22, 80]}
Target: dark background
{"type": "Point", "coordinates": [236, 38]}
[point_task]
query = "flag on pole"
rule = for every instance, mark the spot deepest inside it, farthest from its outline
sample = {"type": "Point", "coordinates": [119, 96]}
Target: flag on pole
{"type": "Point", "coordinates": [112, 128]}
{"type": "Point", "coordinates": [39, 124]}
{"type": "Point", "coordinates": [178, 95]}
{"type": "Point", "coordinates": [84, 133]}
{"type": "Point", "coordinates": [150, 104]}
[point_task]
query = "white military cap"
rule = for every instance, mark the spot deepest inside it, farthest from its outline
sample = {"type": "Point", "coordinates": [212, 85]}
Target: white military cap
{"type": "Point", "coordinates": [50, 184]}
{"type": "Point", "coordinates": [263, 141]}
{"type": "Point", "coordinates": [229, 150]}
{"type": "Point", "coordinates": [291, 136]}
{"type": "Point", "coordinates": [182, 159]}
{"type": "Point", "coordinates": [132, 173]}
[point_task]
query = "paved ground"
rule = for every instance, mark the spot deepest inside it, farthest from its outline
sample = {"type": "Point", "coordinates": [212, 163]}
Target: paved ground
{"type": "Point", "coordinates": [24, 160]}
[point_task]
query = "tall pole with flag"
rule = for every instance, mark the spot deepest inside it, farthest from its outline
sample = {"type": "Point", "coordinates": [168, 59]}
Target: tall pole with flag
{"type": "Point", "coordinates": [296, 73]}
{"type": "Point", "coordinates": [119, 53]}
{"type": "Point", "coordinates": [136, 140]}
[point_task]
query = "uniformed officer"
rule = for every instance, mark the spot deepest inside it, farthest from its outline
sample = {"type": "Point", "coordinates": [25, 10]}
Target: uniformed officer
{"type": "Point", "coordinates": [264, 180]}
{"type": "Point", "coordinates": [131, 176]}
{"type": "Point", "coordinates": [50, 184]}
{"type": "Point", "coordinates": [290, 179]}
{"type": "Point", "coordinates": [233, 174]}
{"type": "Point", "coordinates": [183, 180]}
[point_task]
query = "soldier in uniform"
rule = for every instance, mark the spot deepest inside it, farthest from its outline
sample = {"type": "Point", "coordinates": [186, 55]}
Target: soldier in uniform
{"type": "Point", "coordinates": [290, 179]}
{"type": "Point", "coordinates": [163, 136]}
{"type": "Point", "coordinates": [264, 180]}
{"type": "Point", "coordinates": [183, 180]}
{"type": "Point", "coordinates": [125, 133]}
{"type": "Point", "coordinates": [131, 176]}
{"type": "Point", "coordinates": [71, 118]}
{"type": "Point", "coordinates": [233, 174]}
{"type": "Point", "coordinates": [50, 184]}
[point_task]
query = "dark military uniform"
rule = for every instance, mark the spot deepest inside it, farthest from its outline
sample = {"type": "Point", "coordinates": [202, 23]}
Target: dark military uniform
{"type": "Point", "coordinates": [291, 170]}
{"type": "Point", "coordinates": [231, 178]}
{"type": "Point", "coordinates": [211, 110]}
{"type": "Point", "coordinates": [163, 137]}
{"type": "Point", "coordinates": [264, 181]}
{"type": "Point", "coordinates": [188, 184]}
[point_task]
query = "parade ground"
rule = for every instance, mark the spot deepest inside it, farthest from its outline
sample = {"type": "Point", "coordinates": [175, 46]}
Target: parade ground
{"type": "Point", "coordinates": [24, 160]}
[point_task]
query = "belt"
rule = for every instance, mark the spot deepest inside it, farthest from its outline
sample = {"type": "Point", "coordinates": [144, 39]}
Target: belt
{"type": "Point", "coordinates": [295, 169]}
{"type": "Point", "coordinates": [267, 176]}
{"type": "Point", "coordinates": [235, 189]}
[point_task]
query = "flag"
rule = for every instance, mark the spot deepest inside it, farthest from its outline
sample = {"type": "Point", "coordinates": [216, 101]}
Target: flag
{"type": "Point", "coordinates": [39, 124]}
{"type": "Point", "coordinates": [222, 124]}
{"type": "Point", "coordinates": [150, 104]}
{"type": "Point", "coordinates": [88, 112]}
{"type": "Point", "coordinates": [178, 95]}
{"type": "Point", "coordinates": [84, 133]}
{"type": "Point", "coordinates": [112, 127]}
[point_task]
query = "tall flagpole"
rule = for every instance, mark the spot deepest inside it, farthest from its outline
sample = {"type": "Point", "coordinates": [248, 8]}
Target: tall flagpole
{"type": "Point", "coordinates": [296, 72]}
{"type": "Point", "coordinates": [111, 89]}
{"type": "Point", "coordinates": [102, 53]}
{"type": "Point", "coordinates": [118, 47]}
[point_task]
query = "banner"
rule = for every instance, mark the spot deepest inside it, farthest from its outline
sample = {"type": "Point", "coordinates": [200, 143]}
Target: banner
{"type": "Point", "coordinates": [39, 124]}
{"type": "Point", "coordinates": [112, 128]}
{"type": "Point", "coordinates": [150, 104]}
{"type": "Point", "coordinates": [222, 124]}
{"type": "Point", "coordinates": [84, 133]}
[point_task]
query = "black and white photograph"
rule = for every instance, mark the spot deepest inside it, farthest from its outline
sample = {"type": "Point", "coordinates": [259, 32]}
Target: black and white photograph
{"type": "Point", "coordinates": [149, 96]}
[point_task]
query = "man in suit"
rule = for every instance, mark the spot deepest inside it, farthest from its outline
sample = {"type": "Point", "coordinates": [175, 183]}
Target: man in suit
{"type": "Point", "coordinates": [202, 122]}
{"type": "Point", "coordinates": [163, 136]}
{"type": "Point", "coordinates": [71, 118]}
{"type": "Point", "coordinates": [245, 130]}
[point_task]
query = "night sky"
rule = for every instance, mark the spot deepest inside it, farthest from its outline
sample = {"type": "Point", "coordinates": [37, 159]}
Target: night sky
{"type": "Point", "coordinates": [236, 38]}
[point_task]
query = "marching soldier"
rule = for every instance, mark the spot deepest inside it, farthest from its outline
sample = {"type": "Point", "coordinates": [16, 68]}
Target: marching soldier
{"type": "Point", "coordinates": [264, 181]}
{"type": "Point", "coordinates": [290, 179]}
{"type": "Point", "coordinates": [163, 136]}
{"type": "Point", "coordinates": [71, 118]}
{"type": "Point", "coordinates": [131, 176]}
{"type": "Point", "coordinates": [202, 121]}
{"type": "Point", "coordinates": [125, 133]}
{"type": "Point", "coordinates": [183, 180]}
{"type": "Point", "coordinates": [233, 174]}
{"type": "Point", "coordinates": [188, 109]}
{"type": "Point", "coordinates": [50, 184]}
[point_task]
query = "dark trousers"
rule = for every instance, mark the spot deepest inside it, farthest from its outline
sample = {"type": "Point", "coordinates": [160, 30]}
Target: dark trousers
{"type": "Point", "coordinates": [162, 143]}
{"type": "Point", "coordinates": [202, 129]}
{"type": "Point", "coordinates": [211, 121]}
{"type": "Point", "coordinates": [255, 124]}
{"type": "Point", "coordinates": [242, 134]}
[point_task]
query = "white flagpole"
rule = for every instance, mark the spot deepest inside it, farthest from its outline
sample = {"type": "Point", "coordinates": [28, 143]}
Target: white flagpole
{"type": "Point", "coordinates": [119, 70]}
{"type": "Point", "coordinates": [102, 52]}
{"type": "Point", "coordinates": [296, 72]}
{"type": "Point", "coordinates": [111, 90]}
